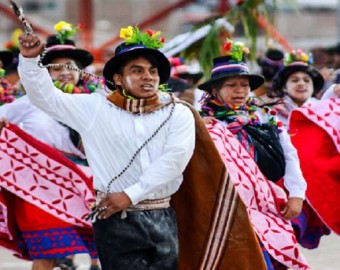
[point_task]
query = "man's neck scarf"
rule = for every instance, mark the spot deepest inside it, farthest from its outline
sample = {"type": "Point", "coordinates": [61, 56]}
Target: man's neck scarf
{"type": "Point", "coordinates": [141, 105]}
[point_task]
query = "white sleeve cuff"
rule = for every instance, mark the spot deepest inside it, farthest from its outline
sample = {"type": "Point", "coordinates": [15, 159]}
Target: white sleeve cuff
{"type": "Point", "coordinates": [297, 194]}
{"type": "Point", "coordinates": [135, 193]}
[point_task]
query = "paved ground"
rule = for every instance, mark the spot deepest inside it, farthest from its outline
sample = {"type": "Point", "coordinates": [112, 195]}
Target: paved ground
{"type": "Point", "coordinates": [326, 257]}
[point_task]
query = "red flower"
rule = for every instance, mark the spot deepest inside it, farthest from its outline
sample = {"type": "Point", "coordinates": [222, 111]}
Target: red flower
{"type": "Point", "coordinates": [149, 32]}
{"type": "Point", "coordinates": [80, 26]}
{"type": "Point", "coordinates": [227, 46]}
{"type": "Point", "coordinates": [239, 2]}
{"type": "Point", "coordinates": [279, 124]}
{"type": "Point", "coordinates": [162, 39]}
{"type": "Point", "coordinates": [9, 44]}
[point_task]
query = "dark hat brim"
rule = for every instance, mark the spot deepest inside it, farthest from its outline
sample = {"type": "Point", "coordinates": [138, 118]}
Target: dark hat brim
{"type": "Point", "coordinates": [255, 81]}
{"type": "Point", "coordinates": [6, 58]}
{"type": "Point", "coordinates": [84, 57]}
{"type": "Point", "coordinates": [282, 75]}
{"type": "Point", "coordinates": [113, 65]}
{"type": "Point", "coordinates": [195, 77]}
{"type": "Point", "coordinates": [178, 85]}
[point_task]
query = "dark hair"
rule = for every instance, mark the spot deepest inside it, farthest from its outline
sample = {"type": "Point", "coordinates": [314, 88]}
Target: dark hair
{"type": "Point", "coordinates": [128, 58]}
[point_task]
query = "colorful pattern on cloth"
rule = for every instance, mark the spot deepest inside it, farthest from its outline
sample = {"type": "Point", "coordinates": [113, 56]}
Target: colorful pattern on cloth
{"type": "Point", "coordinates": [58, 186]}
{"type": "Point", "coordinates": [319, 125]}
{"type": "Point", "coordinates": [58, 243]}
{"type": "Point", "coordinates": [213, 224]}
{"type": "Point", "coordinates": [262, 198]}
{"type": "Point", "coordinates": [142, 105]}
{"type": "Point", "coordinates": [286, 104]}
{"type": "Point", "coordinates": [309, 227]}
{"type": "Point", "coordinates": [41, 176]}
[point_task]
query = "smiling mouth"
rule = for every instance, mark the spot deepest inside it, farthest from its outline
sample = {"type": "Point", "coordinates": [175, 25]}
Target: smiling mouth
{"type": "Point", "coordinates": [65, 80]}
{"type": "Point", "coordinates": [147, 87]}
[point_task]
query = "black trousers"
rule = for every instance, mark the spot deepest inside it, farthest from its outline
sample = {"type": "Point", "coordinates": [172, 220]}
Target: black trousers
{"type": "Point", "coordinates": [144, 240]}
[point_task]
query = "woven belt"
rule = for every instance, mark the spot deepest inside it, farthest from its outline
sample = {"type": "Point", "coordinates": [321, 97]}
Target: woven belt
{"type": "Point", "coordinates": [150, 204]}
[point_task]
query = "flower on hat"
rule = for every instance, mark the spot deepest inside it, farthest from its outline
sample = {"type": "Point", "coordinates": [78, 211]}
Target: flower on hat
{"type": "Point", "coordinates": [235, 49]}
{"type": "Point", "coordinates": [298, 56]}
{"type": "Point", "coordinates": [65, 30]}
{"type": "Point", "coordinates": [148, 38]}
{"type": "Point", "coordinates": [13, 44]}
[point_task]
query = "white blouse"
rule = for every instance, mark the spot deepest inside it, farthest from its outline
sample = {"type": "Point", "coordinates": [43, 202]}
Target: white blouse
{"type": "Point", "coordinates": [40, 125]}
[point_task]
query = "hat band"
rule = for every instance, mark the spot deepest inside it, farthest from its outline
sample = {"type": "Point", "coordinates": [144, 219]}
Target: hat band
{"type": "Point", "coordinates": [139, 46]}
{"type": "Point", "coordinates": [60, 48]}
{"type": "Point", "coordinates": [298, 63]}
{"type": "Point", "coordinates": [229, 68]}
{"type": "Point", "coordinates": [269, 61]}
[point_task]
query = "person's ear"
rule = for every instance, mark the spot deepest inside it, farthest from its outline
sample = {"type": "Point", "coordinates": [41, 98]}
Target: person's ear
{"type": "Point", "coordinates": [117, 79]}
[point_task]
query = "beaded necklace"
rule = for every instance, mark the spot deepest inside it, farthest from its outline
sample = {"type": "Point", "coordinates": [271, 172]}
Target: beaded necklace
{"type": "Point", "coordinates": [213, 106]}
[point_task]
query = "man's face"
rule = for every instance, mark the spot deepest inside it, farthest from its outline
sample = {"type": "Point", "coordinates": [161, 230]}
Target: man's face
{"type": "Point", "coordinates": [139, 78]}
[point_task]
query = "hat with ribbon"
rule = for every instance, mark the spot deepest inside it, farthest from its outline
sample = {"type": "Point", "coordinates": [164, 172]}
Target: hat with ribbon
{"type": "Point", "coordinates": [138, 43]}
{"type": "Point", "coordinates": [61, 46]}
{"type": "Point", "coordinates": [10, 57]}
{"type": "Point", "coordinates": [231, 65]}
{"type": "Point", "coordinates": [271, 62]}
{"type": "Point", "coordinates": [295, 61]}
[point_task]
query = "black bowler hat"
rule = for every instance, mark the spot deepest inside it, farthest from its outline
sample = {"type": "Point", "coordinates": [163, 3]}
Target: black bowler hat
{"type": "Point", "coordinates": [56, 49]}
{"type": "Point", "coordinates": [232, 65]}
{"type": "Point", "coordinates": [296, 61]}
{"type": "Point", "coordinates": [137, 44]}
{"type": "Point", "coordinates": [135, 50]}
{"type": "Point", "coordinates": [225, 67]}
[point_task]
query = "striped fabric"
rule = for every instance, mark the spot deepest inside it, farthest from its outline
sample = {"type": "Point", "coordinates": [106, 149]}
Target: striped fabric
{"type": "Point", "coordinates": [262, 198]}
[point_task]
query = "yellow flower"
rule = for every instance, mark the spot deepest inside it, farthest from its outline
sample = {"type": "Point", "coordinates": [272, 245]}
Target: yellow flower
{"type": "Point", "coordinates": [304, 57]}
{"type": "Point", "coordinates": [126, 33]}
{"type": "Point", "coordinates": [15, 37]}
{"type": "Point", "coordinates": [63, 26]}
{"type": "Point", "coordinates": [157, 34]}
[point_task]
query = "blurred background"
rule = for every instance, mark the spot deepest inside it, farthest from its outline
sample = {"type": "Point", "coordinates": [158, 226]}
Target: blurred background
{"type": "Point", "coordinates": [305, 24]}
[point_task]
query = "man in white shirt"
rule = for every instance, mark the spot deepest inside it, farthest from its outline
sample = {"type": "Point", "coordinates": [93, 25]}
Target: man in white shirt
{"type": "Point", "coordinates": [138, 142]}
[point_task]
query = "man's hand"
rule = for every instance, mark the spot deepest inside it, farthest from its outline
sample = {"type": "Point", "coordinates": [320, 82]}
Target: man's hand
{"type": "Point", "coordinates": [292, 209]}
{"type": "Point", "coordinates": [30, 45]}
{"type": "Point", "coordinates": [113, 203]}
{"type": "Point", "coordinates": [3, 123]}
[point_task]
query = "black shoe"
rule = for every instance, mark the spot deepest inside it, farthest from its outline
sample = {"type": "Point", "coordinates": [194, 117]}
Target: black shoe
{"type": "Point", "coordinates": [65, 264]}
